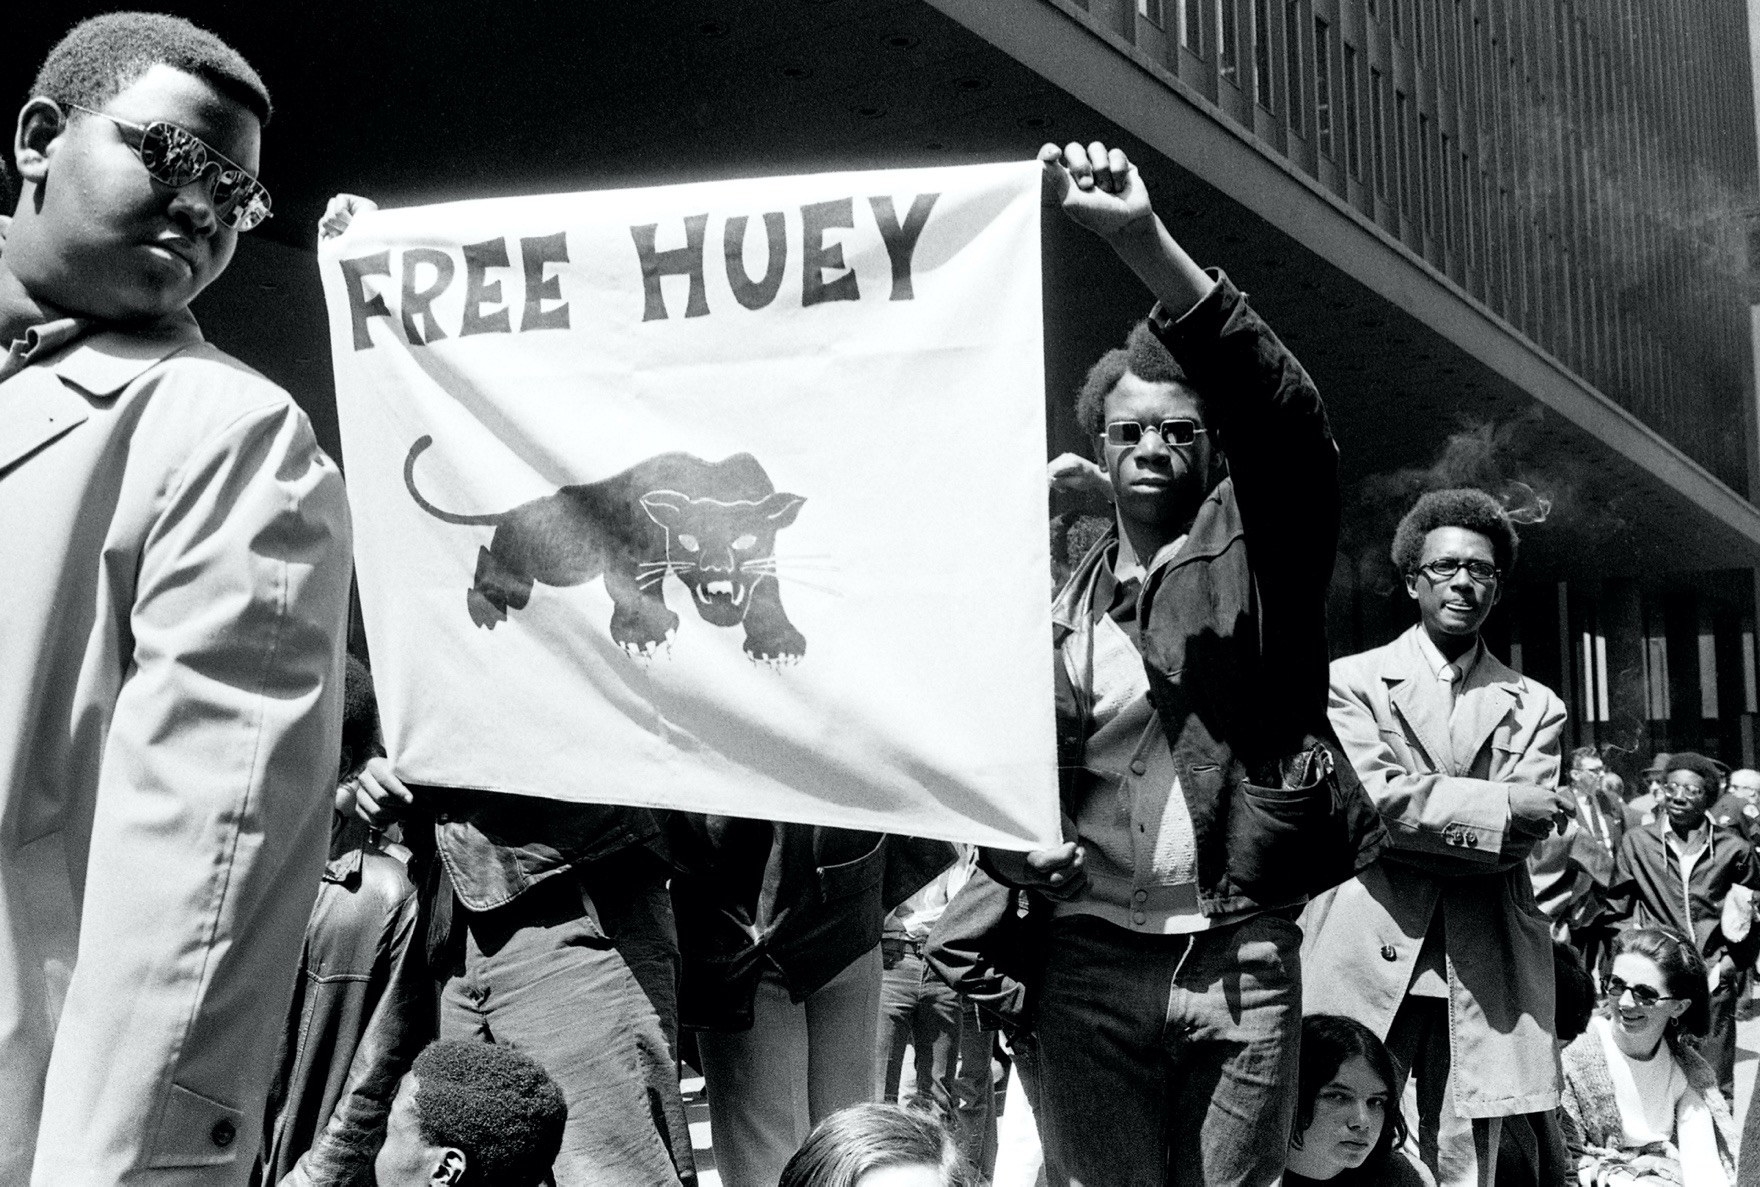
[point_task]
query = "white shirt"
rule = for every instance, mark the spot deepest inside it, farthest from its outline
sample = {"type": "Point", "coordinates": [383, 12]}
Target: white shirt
{"type": "Point", "coordinates": [1687, 851]}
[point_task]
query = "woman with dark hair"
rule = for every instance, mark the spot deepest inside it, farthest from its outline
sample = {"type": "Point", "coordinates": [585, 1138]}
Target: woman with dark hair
{"type": "Point", "coordinates": [1348, 1127]}
{"type": "Point", "coordinates": [1640, 1105]}
{"type": "Point", "coordinates": [875, 1145]}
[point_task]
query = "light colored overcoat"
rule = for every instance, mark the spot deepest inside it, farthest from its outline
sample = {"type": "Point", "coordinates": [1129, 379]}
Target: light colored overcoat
{"type": "Point", "coordinates": [1451, 861]}
{"type": "Point", "coordinates": [174, 549]}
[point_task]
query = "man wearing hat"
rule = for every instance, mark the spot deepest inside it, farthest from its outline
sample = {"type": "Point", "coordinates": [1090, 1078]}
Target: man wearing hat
{"type": "Point", "coordinates": [1646, 803]}
{"type": "Point", "coordinates": [1677, 871]}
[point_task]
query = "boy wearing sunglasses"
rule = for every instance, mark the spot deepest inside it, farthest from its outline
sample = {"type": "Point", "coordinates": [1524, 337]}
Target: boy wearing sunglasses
{"type": "Point", "coordinates": [176, 549]}
{"type": "Point", "coordinates": [1439, 947]}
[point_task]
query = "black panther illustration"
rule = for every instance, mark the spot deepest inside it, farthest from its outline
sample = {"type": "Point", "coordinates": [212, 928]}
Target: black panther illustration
{"type": "Point", "coordinates": [712, 525]}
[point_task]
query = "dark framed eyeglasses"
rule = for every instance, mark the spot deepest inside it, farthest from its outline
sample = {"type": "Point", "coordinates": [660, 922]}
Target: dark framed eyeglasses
{"type": "Point", "coordinates": [1644, 995]}
{"type": "Point", "coordinates": [1176, 430]}
{"type": "Point", "coordinates": [175, 158]}
{"type": "Point", "coordinates": [1444, 568]}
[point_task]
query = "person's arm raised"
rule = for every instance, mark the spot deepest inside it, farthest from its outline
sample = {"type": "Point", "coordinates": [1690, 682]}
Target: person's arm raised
{"type": "Point", "coordinates": [1099, 188]}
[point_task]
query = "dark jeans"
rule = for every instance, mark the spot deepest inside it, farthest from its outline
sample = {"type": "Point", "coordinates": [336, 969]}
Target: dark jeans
{"type": "Point", "coordinates": [581, 974]}
{"type": "Point", "coordinates": [920, 1010]}
{"type": "Point", "coordinates": [1168, 1059]}
{"type": "Point", "coordinates": [974, 1092]}
{"type": "Point", "coordinates": [1720, 1043]}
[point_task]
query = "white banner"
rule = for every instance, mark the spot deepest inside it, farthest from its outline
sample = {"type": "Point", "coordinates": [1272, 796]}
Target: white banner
{"type": "Point", "coordinates": [726, 497]}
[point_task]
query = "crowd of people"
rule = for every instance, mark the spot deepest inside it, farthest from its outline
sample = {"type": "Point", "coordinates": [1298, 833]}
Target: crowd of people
{"type": "Point", "coordinates": [1313, 921]}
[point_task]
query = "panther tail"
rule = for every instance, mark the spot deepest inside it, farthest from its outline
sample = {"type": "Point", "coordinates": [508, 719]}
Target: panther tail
{"type": "Point", "coordinates": [409, 480]}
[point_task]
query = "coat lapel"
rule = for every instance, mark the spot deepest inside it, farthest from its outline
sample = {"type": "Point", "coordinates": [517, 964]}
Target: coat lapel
{"type": "Point", "coordinates": [1408, 677]}
{"type": "Point", "coordinates": [35, 409]}
{"type": "Point", "coordinates": [47, 400]}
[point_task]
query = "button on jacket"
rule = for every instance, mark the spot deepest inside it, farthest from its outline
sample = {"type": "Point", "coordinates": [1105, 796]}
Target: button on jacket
{"type": "Point", "coordinates": [176, 555]}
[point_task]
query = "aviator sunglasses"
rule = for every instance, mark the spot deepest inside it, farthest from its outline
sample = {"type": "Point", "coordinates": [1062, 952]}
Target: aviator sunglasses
{"type": "Point", "coordinates": [1174, 431]}
{"type": "Point", "coordinates": [175, 158]}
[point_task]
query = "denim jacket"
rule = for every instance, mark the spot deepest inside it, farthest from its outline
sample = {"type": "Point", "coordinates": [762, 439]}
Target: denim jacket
{"type": "Point", "coordinates": [495, 847]}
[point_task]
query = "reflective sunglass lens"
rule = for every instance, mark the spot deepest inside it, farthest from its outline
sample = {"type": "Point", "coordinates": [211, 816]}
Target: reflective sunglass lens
{"type": "Point", "coordinates": [175, 158]}
{"type": "Point", "coordinates": [1178, 432]}
{"type": "Point", "coordinates": [171, 155]}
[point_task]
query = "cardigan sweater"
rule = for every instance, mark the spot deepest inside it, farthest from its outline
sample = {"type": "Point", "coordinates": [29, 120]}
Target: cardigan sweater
{"type": "Point", "coordinates": [1591, 1116]}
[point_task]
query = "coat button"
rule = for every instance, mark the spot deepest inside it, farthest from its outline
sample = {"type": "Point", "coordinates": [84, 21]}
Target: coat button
{"type": "Point", "coordinates": [1141, 896]}
{"type": "Point", "coordinates": [1138, 918]}
{"type": "Point", "coordinates": [1389, 952]}
{"type": "Point", "coordinates": [1139, 767]}
{"type": "Point", "coordinates": [223, 1133]}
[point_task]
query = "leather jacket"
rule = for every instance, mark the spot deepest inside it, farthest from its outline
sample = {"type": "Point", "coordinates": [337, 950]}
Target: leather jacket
{"type": "Point", "coordinates": [802, 899]}
{"type": "Point", "coordinates": [363, 1007]}
{"type": "Point", "coordinates": [1234, 626]}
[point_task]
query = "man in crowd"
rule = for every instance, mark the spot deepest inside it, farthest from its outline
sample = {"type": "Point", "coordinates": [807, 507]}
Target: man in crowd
{"type": "Point", "coordinates": [1191, 649]}
{"type": "Point", "coordinates": [1571, 870]}
{"type": "Point", "coordinates": [1739, 805]}
{"type": "Point", "coordinates": [554, 932]}
{"type": "Point", "coordinates": [176, 549]}
{"type": "Point", "coordinates": [1679, 872]}
{"type": "Point", "coordinates": [472, 1115]}
{"type": "Point", "coordinates": [920, 1010]}
{"type": "Point", "coordinates": [1438, 947]}
{"type": "Point", "coordinates": [1600, 812]}
{"type": "Point", "coordinates": [1646, 803]}
{"type": "Point", "coordinates": [363, 1002]}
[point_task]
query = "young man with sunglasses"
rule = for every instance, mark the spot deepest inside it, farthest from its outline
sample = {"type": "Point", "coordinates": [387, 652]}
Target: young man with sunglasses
{"type": "Point", "coordinates": [1191, 657]}
{"type": "Point", "coordinates": [1678, 872]}
{"type": "Point", "coordinates": [176, 549]}
{"type": "Point", "coordinates": [1438, 947]}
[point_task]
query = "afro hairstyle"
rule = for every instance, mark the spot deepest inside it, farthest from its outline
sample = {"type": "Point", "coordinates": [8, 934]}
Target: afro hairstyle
{"type": "Point", "coordinates": [360, 713]}
{"type": "Point", "coordinates": [103, 56]}
{"type": "Point", "coordinates": [1143, 356]}
{"type": "Point", "coordinates": [495, 1104]}
{"type": "Point", "coordinates": [1701, 766]}
{"type": "Point", "coordinates": [1466, 507]}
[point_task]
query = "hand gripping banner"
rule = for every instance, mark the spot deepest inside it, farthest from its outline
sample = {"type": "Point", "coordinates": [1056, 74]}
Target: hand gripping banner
{"type": "Point", "coordinates": [724, 497]}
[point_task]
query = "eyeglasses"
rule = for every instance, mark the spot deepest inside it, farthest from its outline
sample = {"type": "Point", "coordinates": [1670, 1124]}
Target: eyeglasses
{"type": "Point", "coordinates": [1174, 431]}
{"type": "Point", "coordinates": [1445, 567]}
{"type": "Point", "coordinates": [175, 158]}
{"type": "Point", "coordinates": [1644, 995]}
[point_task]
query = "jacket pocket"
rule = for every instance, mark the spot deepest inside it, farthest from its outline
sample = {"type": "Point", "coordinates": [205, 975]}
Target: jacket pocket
{"type": "Point", "coordinates": [1309, 835]}
{"type": "Point", "coordinates": [1273, 837]}
{"type": "Point", "coordinates": [854, 877]}
{"type": "Point", "coordinates": [195, 1131]}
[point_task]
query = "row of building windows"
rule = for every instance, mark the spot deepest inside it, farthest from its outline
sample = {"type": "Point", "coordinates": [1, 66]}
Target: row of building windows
{"type": "Point", "coordinates": [1576, 165]}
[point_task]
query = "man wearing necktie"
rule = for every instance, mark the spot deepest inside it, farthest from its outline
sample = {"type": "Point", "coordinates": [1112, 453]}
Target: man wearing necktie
{"type": "Point", "coordinates": [1439, 947]}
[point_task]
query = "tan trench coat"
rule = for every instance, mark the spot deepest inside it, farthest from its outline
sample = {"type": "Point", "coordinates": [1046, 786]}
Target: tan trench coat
{"type": "Point", "coordinates": [175, 555]}
{"type": "Point", "coordinates": [1445, 801]}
